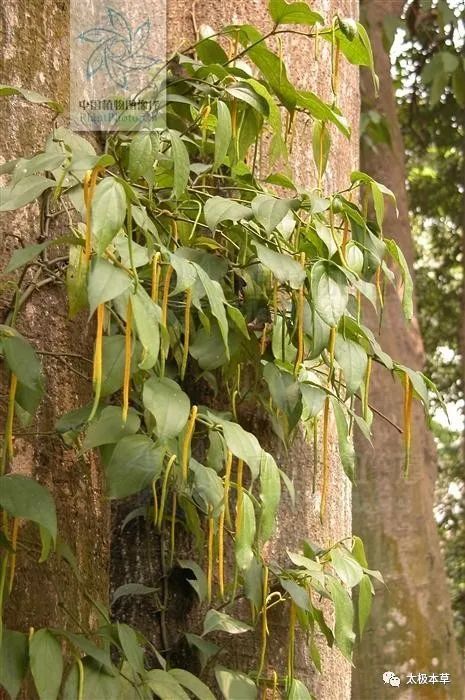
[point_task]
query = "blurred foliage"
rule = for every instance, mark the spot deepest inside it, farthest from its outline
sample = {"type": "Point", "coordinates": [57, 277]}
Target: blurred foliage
{"type": "Point", "coordinates": [429, 74]}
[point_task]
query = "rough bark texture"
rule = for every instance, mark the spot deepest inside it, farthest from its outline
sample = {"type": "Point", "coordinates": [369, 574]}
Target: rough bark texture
{"type": "Point", "coordinates": [411, 628]}
{"type": "Point", "coordinates": [131, 564]}
{"type": "Point", "coordinates": [35, 56]}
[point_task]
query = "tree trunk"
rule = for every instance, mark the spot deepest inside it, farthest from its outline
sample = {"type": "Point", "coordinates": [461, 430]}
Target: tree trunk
{"type": "Point", "coordinates": [129, 565]}
{"type": "Point", "coordinates": [411, 628]}
{"type": "Point", "coordinates": [35, 56]}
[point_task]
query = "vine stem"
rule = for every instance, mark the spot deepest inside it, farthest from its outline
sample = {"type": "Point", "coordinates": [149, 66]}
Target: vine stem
{"type": "Point", "coordinates": [264, 623]}
{"type": "Point", "coordinates": [97, 374]}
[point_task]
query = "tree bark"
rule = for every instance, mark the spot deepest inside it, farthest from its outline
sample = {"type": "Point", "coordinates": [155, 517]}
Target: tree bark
{"type": "Point", "coordinates": [35, 56]}
{"type": "Point", "coordinates": [302, 522]}
{"type": "Point", "coordinates": [411, 628]}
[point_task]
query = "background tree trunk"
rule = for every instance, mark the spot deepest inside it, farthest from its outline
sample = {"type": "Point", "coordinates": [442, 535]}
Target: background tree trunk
{"type": "Point", "coordinates": [411, 628]}
{"type": "Point", "coordinates": [35, 56]}
{"type": "Point", "coordinates": [130, 564]}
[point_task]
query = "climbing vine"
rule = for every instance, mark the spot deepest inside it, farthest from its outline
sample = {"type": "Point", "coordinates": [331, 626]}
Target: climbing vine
{"type": "Point", "coordinates": [199, 270]}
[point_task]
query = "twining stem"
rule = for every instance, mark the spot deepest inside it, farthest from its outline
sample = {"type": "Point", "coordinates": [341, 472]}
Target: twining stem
{"type": "Point", "coordinates": [97, 375]}
{"type": "Point", "coordinates": [7, 452]}
{"type": "Point", "coordinates": [155, 276]}
{"type": "Point", "coordinates": [240, 495]}
{"type": "Point", "coordinates": [265, 632]}
{"type": "Point", "coordinates": [210, 555]}
{"type": "Point", "coordinates": [291, 643]}
{"type": "Point", "coordinates": [315, 452]}
{"type": "Point", "coordinates": [127, 361]}
{"type": "Point", "coordinates": [173, 527]}
{"type": "Point", "coordinates": [324, 489]}
{"type": "Point", "coordinates": [164, 489]}
{"type": "Point", "coordinates": [14, 541]}
{"type": "Point", "coordinates": [300, 322]}
{"type": "Point", "coordinates": [408, 397]}
{"type": "Point", "coordinates": [187, 327]}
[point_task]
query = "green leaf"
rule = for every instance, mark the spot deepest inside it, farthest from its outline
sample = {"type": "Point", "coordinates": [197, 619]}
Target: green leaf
{"type": "Point", "coordinates": [270, 495]}
{"type": "Point", "coordinates": [218, 209]}
{"type": "Point", "coordinates": [192, 683]}
{"type": "Point", "coordinates": [46, 664]}
{"type": "Point", "coordinates": [217, 302]}
{"type": "Point", "coordinates": [298, 691]}
{"type": "Point", "coordinates": [147, 319]}
{"type": "Point", "coordinates": [283, 388]}
{"type": "Point", "coordinates": [320, 110]}
{"type": "Point", "coordinates": [208, 487]}
{"type": "Point", "coordinates": [205, 648]}
{"type": "Point", "coordinates": [76, 280]}
{"type": "Point", "coordinates": [30, 96]}
{"type": "Point", "coordinates": [165, 686]}
{"type": "Point", "coordinates": [108, 212]}
{"type": "Point", "coordinates": [208, 348]}
{"type": "Point", "coordinates": [283, 266]}
{"type": "Point", "coordinates": [353, 360]}
{"type": "Point", "coordinates": [235, 685]}
{"type": "Point", "coordinates": [407, 296]}
{"type": "Point", "coordinates": [113, 364]}
{"type": "Point", "coordinates": [365, 599]}
{"type": "Point", "coordinates": [216, 621]}
{"type": "Point", "coordinates": [141, 155]}
{"type": "Point", "coordinates": [23, 256]}
{"type": "Point", "coordinates": [39, 163]}
{"type": "Point", "coordinates": [199, 584]}
{"type": "Point", "coordinates": [131, 648]}
{"type": "Point", "coordinates": [270, 211]}
{"type": "Point", "coordinates": [313, 399]}
{"type": "Point", "coordinates": [346, 448]}
{"type": "Point", "coordinates": [245, 534]}
{"type": "Point", "coordinates": [131, 589]}
{"type": "Point", "coordinates": [13, 661]}
{"type": "Point", "coordinates": [330, 292]}
{"type": "Point", "coordinates": [105, 282]}
{"type": "Point", "coordinates": [24, 498]}
{"type": "Point", "coordinates": [23, 361]}
{"type": "Point", "coordinates": [102, 656]}
{"type": "Point", "coordinates": [168, 404]}
{"type": "Point", "coordinates": [181, 164]}
{"type": "Point", "coordinates": [245, 93]}
{"type": "Point", "coordinates": [223, 133]}
{"type": "Point", "coordinates": [347, 568]}
{"type": "Point", "coordinates": [24, 192]}
{"type": "Point", "coordinates": [293, 13]}
{"type": "Point", "coordinates": [321, 144]}
{"type": "Point", "coordinates": [133, 465]}
{"type": "Point", "coordinates": [298, 594]}
{"type": "Point", "coordinates": [344, 612]}
{"type": "Point", "coordinates": [109, 428]}
{"type": "Point", "coordinates": [242, 444]}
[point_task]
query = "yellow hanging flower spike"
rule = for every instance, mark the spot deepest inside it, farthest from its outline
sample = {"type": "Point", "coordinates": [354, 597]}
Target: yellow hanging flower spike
{"type": "Point", "coordinates": [187, 442]}
{"type": "Point", "coordinates": [127, 361]}
{"type": "Point", "coordinates": [300, 322]}
{"type": "Point", "coordinates": [408, 399]}
{"type": "Point", "coordinates": [187, 326]}
{"type": "Point", "coordinates": [166, 291]}
{"type": "Point", "coordinates": [174, 508]}
{"type": "Point", "coordinates": [155, 276]}
{"type": "Point", "coordinates": [97, 374]}
{"type": "Point", "coordinates": [89, 184]}
{"type": "Point", "coordinates": [210, 556]}
{"type": "Point", "coordinates": [164, 489]}
{"type": "Point", "coordinates": [265, 631]}
{"type": "Point", "coordinates": [14, 542]}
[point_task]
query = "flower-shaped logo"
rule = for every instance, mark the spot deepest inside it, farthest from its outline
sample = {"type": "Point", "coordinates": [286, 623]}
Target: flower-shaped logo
{"type": "Point", "coordinates": [119, 50]}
